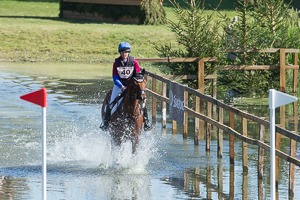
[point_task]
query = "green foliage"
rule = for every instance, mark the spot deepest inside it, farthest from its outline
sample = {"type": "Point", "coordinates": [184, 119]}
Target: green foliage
{"type": "Point", "coordinates": [153, 12]}
{"type": "Point", "coordinates": [197, 33]}
{"type": "Point", "coordinates": [258, 25]}
{"type": "Point", "coordinates": [264, 25]}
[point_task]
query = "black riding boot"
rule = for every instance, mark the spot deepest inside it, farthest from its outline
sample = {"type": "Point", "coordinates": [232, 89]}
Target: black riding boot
{"type": "Point", "coordinates": [105, 121]}
{"type": "Point", "coordinates": [147, 124]}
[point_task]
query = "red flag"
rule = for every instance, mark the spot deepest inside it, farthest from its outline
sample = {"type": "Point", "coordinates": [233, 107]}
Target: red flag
{"type": "Point", "coordinates": [38, 97]}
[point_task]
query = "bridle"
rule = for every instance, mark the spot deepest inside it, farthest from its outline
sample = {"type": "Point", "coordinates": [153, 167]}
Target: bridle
{"type": "Point", "coordinates": [140, 94]}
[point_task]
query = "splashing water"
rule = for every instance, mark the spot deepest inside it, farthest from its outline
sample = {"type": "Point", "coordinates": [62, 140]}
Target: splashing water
{"type": "Point", "coordinates": [96, 151]}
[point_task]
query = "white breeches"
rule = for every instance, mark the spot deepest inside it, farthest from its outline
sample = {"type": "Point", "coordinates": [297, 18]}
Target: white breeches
{"type": "Point", "coordinates": [116, 90]}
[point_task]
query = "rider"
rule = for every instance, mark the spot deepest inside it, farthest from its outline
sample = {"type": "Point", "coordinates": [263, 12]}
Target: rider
{"type": "Point", "coordinates": [123, 68]}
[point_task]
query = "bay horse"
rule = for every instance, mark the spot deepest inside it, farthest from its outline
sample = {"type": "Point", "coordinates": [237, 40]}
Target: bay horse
{"type": "Point", "coordinates": [127, 118]}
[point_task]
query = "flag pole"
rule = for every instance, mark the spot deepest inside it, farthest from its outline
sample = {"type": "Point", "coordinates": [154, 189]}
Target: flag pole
{"type": "Point", "coordinates": [40, 98]}
{"type": "Point", "coordinates": [276, 99]}
{"type": "Point", "coordinates": [44, 170]}
{"type": "Point", "coordinates": [272, 143]}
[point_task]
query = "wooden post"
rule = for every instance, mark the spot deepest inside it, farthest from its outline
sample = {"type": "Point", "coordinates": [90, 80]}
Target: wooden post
{"type": "Point", "coordinates": [231, 138]}
{"type": "Point", "coordinates": [245, 186]}
{"type": "Point", "coordinates": [197, 122]}
{"type": "Point", "coordinates": [201, 75]}
{"type": "Point", "coordinates": [197, 181]}
{"type": "Point", "coordinates": [164, 106]}
{"type": "Point", "coordinates": [208, 181]}
{"type": "Point", "coordinates": [208, 126]}
{"type": "Point", "coordinates": [231, 182]}
{"type": "Point", "coordinates": [174, 127]}
{"type": "Point", "coordinates": [245, 146]}
{"type": "Point", "coordinates": [295, 74]}
{"type": "Point", "coordinates": [201, 89]}
{"type": "Point", "coordinates": [186, 116]}
{"type": "Point", "coordinates": [220, 179]}
{"type": "Point", "coordinates": [214, 95]}
{"type": "Point", "coordinates": [260, 166]}
{"type": "Point", "coordinates": [153, 101]}
{"type": "Point", "coordinates": [186, 181]}
{"type": "Point", "coordinates": [293, 152]}
{"type": "Point", "coordinates": [220, 134]}
{"type": "Point", "coordinates": [282, 71]}
{"type": "Point", "coordinates": [198, 101]}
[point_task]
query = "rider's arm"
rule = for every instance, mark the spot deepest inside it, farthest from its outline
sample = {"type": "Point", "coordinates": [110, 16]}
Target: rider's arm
{"type": "Point", "coordinates": [117, 81]}
{"type": "Point", "coordinates": [136, 66]}
{"type": "Point", "coordinates": [116, 77]}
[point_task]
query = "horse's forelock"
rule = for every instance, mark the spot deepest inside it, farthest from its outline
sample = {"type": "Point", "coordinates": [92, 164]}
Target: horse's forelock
{"type": "Point", "coordinates": [139, 77]}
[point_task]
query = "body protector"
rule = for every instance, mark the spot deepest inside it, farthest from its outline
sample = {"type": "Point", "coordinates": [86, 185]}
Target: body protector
{"type": "Point", "coordinates": [125, 70]}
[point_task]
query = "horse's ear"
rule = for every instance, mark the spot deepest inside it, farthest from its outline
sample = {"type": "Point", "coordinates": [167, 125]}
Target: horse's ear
{"type": "Point", "coordinates": [143, 71]}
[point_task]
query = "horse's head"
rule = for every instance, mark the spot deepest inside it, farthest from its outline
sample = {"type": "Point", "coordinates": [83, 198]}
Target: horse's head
{"type": "Point", "coordinates": [136, 88]}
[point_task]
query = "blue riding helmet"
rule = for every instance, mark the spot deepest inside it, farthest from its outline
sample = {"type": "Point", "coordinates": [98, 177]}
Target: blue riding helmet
{"type": "Point", "coordinates": [124, 46]}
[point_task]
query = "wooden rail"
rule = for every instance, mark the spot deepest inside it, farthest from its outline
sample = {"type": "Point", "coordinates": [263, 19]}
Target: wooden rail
{"type": "Point", "coordinates": [217, 122]}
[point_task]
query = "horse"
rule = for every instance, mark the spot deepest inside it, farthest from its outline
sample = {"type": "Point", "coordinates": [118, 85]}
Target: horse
{"type": "Point", "coordinates": [126, 121]}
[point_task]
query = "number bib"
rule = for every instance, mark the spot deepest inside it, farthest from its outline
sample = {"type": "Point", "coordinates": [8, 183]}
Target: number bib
{"type": "Point", "coordinates": [125, 72]}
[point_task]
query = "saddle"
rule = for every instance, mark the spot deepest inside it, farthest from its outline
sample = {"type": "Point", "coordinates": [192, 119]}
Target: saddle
{"type": "Point", "coordinates": [113, 105]}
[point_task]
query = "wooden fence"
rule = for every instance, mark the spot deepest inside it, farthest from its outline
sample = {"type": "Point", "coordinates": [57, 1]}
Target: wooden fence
{"type": "Point", "coordinates": [209, 114]}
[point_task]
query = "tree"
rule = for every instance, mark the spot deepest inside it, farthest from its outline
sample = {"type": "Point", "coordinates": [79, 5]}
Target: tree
{"type": "Point", "coordinates": [197, 33]}
{"type": "Point", "coordinates": [153, 12]}
{"type": "Point", "coordinates": [267, 24]}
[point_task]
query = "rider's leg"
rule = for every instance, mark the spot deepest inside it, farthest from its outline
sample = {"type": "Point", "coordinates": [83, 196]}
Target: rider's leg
{"type": "Point", "coordinates": [105, 121]}
{"type": "Point", "coordinates": [147, 124]}
{"type": "Point", "coordinates": [104, 126]}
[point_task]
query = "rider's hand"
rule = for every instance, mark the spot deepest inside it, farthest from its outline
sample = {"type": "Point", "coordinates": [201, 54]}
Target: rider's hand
{"type": "Point", "coordinates": [123, 88]}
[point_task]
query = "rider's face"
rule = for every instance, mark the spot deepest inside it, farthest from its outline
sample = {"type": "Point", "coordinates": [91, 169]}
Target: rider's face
{"type": "Point", "coordinates": [124, 54]}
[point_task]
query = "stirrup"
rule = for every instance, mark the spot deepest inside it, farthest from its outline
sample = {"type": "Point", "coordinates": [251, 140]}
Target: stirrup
{"type": "Point", "coordinates": [104, 126]}
{"type": "Point", "coordinates": [147, 125]}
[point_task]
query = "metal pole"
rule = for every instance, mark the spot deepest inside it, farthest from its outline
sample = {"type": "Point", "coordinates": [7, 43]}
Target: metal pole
{"type": "Point", "coordinates": [44, 168]}
{"type": "Point", "coordinates": [276, 99]}
{"type": "Point", "coordinates": [272, 106]}
{"type": "Point", "coordinates": [272, 152]}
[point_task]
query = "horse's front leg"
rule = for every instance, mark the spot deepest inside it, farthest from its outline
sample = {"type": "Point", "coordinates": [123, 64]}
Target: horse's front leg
{"type": "Point", "coordinates": [135, 137]}
{"type": "Point", "coordinates": [135, 140]}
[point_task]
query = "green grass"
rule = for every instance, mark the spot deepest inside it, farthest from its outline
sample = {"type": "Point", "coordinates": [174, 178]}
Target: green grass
{"type": "Point", "coordinates": [32, 32]}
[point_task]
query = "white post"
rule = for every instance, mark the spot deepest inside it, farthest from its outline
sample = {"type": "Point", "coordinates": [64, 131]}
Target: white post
{"type": "Point", "coordinates": [44, 170]}
{"type": "Point", "coordinates": [272, 143]}
{"type": "Point", "coordinates": [276, 99]}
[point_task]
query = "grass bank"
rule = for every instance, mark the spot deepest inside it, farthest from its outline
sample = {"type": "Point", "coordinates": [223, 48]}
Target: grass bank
{"type": "Point", "coordinates": [32, 32]}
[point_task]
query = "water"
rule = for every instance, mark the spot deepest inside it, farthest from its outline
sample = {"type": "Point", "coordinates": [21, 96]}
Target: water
{"type": "Point", "coordinates": [80, 161]}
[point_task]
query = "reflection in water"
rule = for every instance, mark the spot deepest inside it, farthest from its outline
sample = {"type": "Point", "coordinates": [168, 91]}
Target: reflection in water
{"type": "Point", "coordinates": [89, 91]}
{"type": "Point", "coordinates": [197, 184]}
{"type": "Point", "coordinates": [9, 187]}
